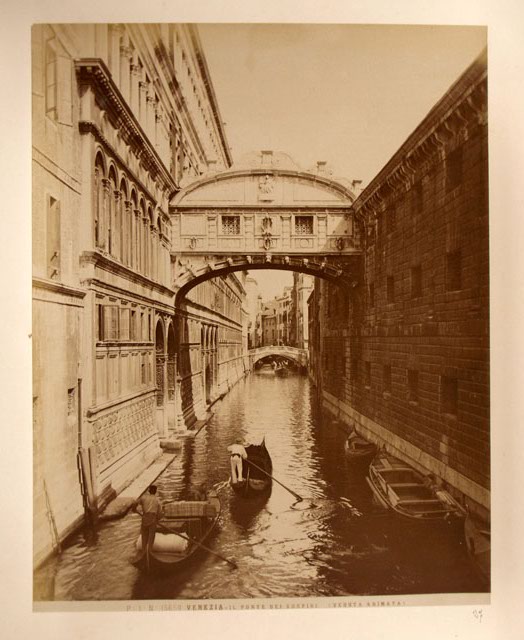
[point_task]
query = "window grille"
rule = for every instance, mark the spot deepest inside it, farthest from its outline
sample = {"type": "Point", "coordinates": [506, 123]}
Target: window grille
{"type": "Point", "coordinates": [387, 378]}
{"type": "Point", "coordinates": [412, 385]}
{"type": "Point", "coordinates": [416, 281]}
{"type": "Point", "coordinates": [53, 238]}
{"type": "Point", "coordinates": [51, 80]}
{"type": "Point", "coordinates": [304, 225]}
{"type": "Point", "coordinates": [231, 225]}
{"type": "Point", "coordinates": [449, 395]}
{"type": "Point", "coordinates": [111, 315]}
{"type": "Point", "coordinates": [124, 324]}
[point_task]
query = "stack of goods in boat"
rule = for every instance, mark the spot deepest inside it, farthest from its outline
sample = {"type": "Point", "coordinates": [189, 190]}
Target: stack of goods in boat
{"type": "Point", "coordinates": [180, 534]}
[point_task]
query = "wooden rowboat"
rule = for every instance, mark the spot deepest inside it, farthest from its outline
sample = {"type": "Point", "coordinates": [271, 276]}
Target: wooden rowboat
{"type": "Point", "coordinates": [358, 449]}
{"type": "Point", "coordinates": [478, 543]}
{"type": "Point", "coordinates": [186, 525]}
{"type": "Point", "coordinates": [408, 493]}
{"type": "Point", "coordinates": [255, 481]}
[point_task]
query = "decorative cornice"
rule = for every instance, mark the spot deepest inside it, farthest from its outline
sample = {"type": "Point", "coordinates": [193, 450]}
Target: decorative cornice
{"type": "Point", "coordinates": [94, 73]}
{"type": "Point", "coordinates": [58, 287]}
{"type": "Point", "coordinates": [324, 181]}
{"type": "Point", "coordinates": [86, 126]}
{"type": "Point", "coordinates": [107, 263]}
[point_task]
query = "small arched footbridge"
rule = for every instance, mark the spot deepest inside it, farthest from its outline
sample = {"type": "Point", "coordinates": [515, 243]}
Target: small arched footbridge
{"type": "Point", "coordinates": [298, 356]}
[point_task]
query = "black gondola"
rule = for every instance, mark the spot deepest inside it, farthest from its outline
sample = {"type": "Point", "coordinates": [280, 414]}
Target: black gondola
{"type": "Point", "coordinates": [255, 478]}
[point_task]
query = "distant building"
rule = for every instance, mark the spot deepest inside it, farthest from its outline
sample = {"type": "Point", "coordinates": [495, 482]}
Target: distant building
{"type": "Point", "coordinates": [253, 309]}
{"type": "Point", "coordinates": [299, 324]}
{"type": "Point", "coordinates": [276, 317]}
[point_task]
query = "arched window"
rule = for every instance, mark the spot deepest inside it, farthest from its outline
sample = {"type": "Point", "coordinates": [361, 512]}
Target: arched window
{"type": "Point", "coordinates": [124, 223]}
{"type": "Point", "coordinates": [112, 223]}
{"type": "Point", "coordinates": [143, 238]}
{"type": "Point", "coordinates": [133, 253]}
{"type": "Point", "coordinates": [98, 202]}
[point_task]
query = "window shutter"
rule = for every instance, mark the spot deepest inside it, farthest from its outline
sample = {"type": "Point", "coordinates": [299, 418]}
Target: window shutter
{"type": "Point", "coordinates": [65, 99]}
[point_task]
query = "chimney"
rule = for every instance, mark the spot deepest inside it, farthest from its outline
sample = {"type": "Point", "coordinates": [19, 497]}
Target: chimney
{"type": "Point", "coordinates": [321, 166]}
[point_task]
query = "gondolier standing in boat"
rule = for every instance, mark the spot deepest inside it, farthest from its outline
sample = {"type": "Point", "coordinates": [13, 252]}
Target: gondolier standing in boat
{"type": "Point", "coordinates": [151, 512]}
{"type": "Point", "coordinates": [238, 453]}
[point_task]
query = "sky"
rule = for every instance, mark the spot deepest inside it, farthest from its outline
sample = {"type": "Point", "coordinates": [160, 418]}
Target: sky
{"type": "Point", "coordinates": [346, 94]}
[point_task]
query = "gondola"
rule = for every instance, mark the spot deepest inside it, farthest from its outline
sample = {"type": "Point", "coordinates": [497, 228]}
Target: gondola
{"type": "Point", "coordinates": [359, 450]}
{"type": "Point", "coordinates": [478, 544]}
{"type": "Point", "coordinates": [194, 521]}
{"type": "Point", "coordinates": [409, 494]}
{"type": "Point", "coordinates": [255, 482]}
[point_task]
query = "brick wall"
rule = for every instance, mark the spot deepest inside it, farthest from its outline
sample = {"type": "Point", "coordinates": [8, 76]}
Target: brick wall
{"type": "Point", "coordinates": [415, 334]}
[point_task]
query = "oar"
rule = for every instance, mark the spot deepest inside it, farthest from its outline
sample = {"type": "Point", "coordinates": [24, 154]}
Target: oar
{"type": "Point", "coordinates": [204, 425]}
{"type": "Point", "coordinates": [199, 544]}
{"type": "Point", "coordinates": [273, 478]}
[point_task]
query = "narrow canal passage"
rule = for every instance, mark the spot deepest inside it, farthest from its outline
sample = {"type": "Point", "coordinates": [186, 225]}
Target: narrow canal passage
{"type": "Point", "coordinates": [335, 542]}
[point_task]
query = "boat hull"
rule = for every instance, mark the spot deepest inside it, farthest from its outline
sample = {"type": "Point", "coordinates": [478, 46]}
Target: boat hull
{"type": "Point", "coordinates": [255, 482]}
{"type": "Point", "coordinates": [358, 450]}
{"type": "Point", "coordinates": [407, 493]}
{"type": "Point", "coordinates": [478, 544]}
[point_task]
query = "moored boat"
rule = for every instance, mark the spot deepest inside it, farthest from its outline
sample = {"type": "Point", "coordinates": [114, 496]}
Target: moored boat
{"type": "Point", "coordinates": [478, 544]}
{"type": "Point", "coordinates": [255, 478]}
{"type": "Point", "coordinates": [185, 526]}
{"type": "Point", "coordinates": [357, 449]}
{"type": "Point", "coordinates": [398, 487]}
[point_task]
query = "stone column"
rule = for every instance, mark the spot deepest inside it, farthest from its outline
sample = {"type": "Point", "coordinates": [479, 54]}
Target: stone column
{"type": "Point", "coordinates": [142, 104]}
{"type": "Point", "coordinates": [128, 232]}
{"type": "Point", "coordinates": [104, 212]}
{"type": "Point", "coordinates": [154, 245]}
{"type": "Point", "coordinates": [145, 245]}
{"type": "Point", "coordinates": [126, 60]}
{"type": "Point", "coordinates": [151, 116]}
{"type": "Point", "coordinates": [117, 233]}
{"type": "Point", "coordinates": [134, 80]}
{"type": "Point", "coordinates": [137, 234]}
{"type": "Point", "coordinates": [115, 36]}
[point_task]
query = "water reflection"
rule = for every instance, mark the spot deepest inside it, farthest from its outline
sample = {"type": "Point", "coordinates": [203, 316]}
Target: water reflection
{"type": "Point", "coordinates": [335, 541]}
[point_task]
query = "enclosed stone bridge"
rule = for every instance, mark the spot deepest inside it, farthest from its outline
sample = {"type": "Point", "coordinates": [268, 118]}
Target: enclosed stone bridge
{"type": "Point", "coordinates": [299, 356]}
{"type": "Point", "coordinates": [266, 213]}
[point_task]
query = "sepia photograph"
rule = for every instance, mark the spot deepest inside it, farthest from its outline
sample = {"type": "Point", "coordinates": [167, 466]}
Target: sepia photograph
{"type": "Point", "coordinates": [261, 293]}
{"type": "Point", "coordinates": [260, 312]}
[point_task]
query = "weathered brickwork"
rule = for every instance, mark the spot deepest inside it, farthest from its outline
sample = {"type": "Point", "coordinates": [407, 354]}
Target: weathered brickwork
{"type": "Point", "coordinates": [410, 348]}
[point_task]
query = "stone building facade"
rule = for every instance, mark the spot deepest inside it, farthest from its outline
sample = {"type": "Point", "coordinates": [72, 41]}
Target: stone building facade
{"type": "Point", "coordinates": [299, 320]}
{"type": "Point", "coordinates": [404, 356]}
{"type": "Point", "coordinates": [123, 117]}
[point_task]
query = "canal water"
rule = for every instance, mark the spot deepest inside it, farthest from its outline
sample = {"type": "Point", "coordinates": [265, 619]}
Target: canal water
{"type": "Point", "coordinates": [335, 542]}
